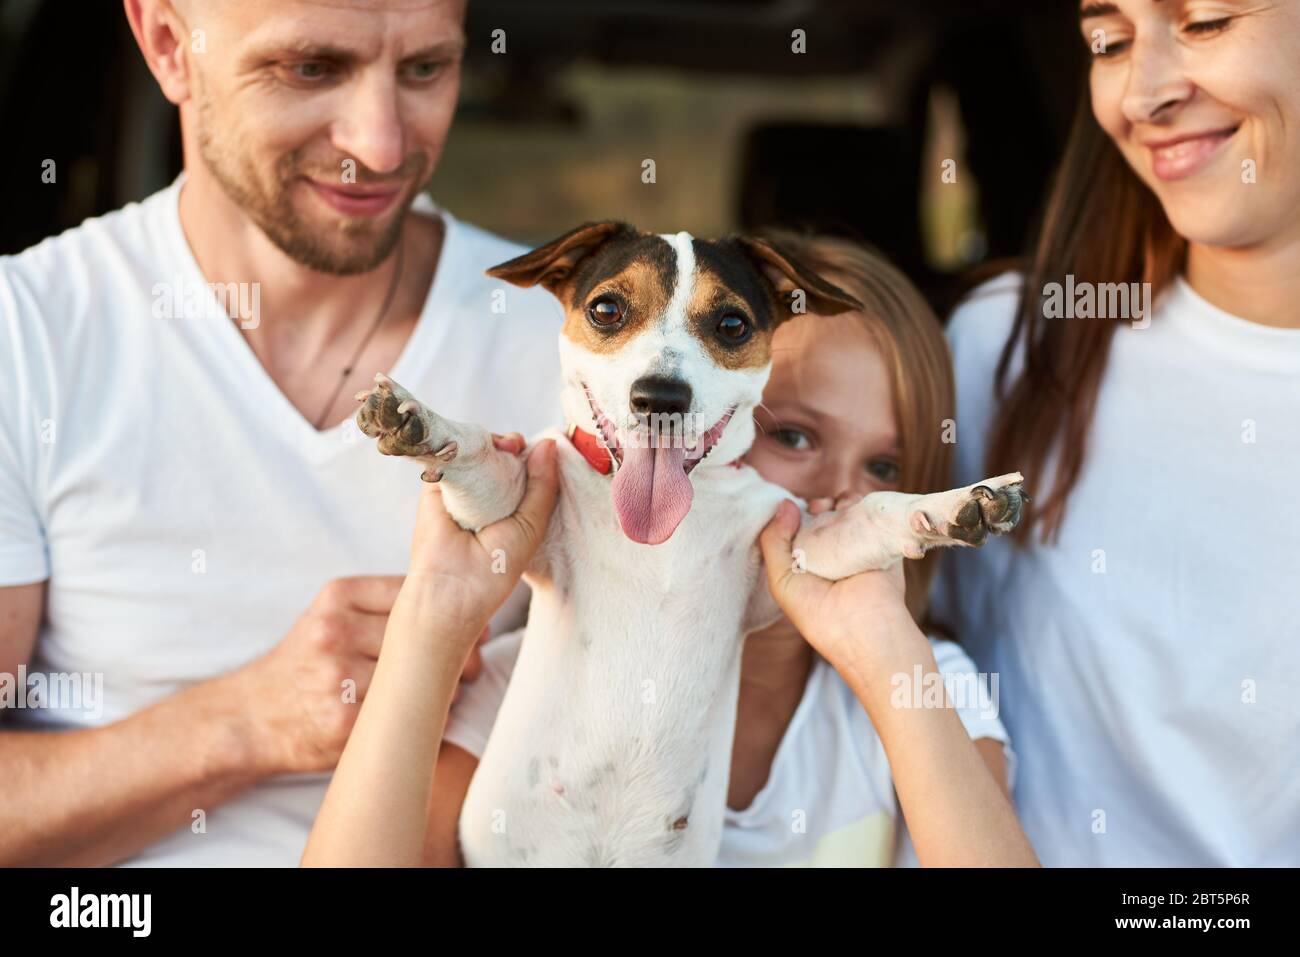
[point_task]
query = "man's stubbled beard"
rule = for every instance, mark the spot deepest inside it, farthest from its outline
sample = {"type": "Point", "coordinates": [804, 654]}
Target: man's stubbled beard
{"type": "Point", "coordinates": [358, 247]}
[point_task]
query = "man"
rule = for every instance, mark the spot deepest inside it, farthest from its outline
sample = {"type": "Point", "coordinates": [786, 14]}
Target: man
{"type": "Point", "coordinates": [192, 531]}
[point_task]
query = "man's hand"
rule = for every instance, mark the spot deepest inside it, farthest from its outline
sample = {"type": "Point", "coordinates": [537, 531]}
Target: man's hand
{"type": "Point", "coordinates": [302, 696]}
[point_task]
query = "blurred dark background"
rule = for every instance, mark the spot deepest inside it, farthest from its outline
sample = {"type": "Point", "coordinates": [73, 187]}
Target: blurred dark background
{"type": "Point", "coordinates": [850, 136]}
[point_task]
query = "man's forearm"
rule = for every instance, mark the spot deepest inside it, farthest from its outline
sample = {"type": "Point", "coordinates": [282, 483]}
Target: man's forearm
{"type": "Point", "coordinates": [98, 796]}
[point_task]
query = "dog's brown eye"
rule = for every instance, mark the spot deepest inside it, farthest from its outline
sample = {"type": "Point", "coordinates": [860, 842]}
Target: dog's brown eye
{"type": "Point", "coordinates": [605, 311]}
{"type": "Point", "coordinates": [733, 329]}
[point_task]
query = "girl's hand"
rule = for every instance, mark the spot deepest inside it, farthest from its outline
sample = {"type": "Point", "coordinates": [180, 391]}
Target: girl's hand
{"type": "Point", "coordinates": [457, 579]}
{"type": "Point", "coordinates": [466, 576]}
{"type": "Point", "coordinates": [860, 624]}
{"type": "Point", "coordinates": [957, 813]}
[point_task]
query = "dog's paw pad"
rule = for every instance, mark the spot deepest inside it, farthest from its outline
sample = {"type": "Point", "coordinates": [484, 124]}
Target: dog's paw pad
{"type": "Point", "coordinates": [968, 524]}
{"type": "Point", "coordinates": [969, 516]}
{"type": "Point", "coordinates": [1000, 508]}
{"type": "Point", "coordinates": [393, 416]}
{"type": "Point", "coordinates": [989, 509]}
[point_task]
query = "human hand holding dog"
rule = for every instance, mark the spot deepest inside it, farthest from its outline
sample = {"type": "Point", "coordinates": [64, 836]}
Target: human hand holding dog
{"type": "Point", "coordinates": [859, 624]}
{"type": "Point", "coordinates": [465, 576]}
{"type": "Point", "coordinates": [456, 581]}
{"type": "Point", "coordinates": [956, 811]}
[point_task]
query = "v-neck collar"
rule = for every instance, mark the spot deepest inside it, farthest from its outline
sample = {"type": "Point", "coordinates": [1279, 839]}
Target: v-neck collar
{"type": "Point", "coordinates": [323, 445]}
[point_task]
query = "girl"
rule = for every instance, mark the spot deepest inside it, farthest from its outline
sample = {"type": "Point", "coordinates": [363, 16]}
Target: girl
{"type": "Point", "coordinates": [855, 403]}
{"type": "Point", "coordinates": [1147, 629]}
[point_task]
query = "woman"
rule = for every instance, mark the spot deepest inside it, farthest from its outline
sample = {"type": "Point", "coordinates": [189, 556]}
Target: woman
{"type": "Point", "coordinates": [1147, 626]}
{"type": "Point", "coordinates": [823, 742]}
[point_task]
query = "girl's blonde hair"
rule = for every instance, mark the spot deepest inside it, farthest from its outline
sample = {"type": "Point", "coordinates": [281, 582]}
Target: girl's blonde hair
{"type": "Point", "coordinates": [915, 351]}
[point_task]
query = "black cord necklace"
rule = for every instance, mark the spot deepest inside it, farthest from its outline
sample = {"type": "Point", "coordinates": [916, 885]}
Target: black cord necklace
{"type": "Point", "coordinates": [347, 369]}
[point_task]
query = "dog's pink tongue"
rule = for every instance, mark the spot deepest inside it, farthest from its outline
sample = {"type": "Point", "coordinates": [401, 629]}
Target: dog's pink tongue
{"type": "Point", "coordinates": [651, 492]}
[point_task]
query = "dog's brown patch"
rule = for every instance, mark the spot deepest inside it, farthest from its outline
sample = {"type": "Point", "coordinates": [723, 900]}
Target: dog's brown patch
{"type": "Point", "coordinates": [712, 299]}
{"type": "Point", "coordinates": [639, 274]}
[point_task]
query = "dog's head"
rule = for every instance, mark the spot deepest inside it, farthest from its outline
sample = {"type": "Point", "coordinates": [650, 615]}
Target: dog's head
{"type": "Point", "coordinates": [665, 349]}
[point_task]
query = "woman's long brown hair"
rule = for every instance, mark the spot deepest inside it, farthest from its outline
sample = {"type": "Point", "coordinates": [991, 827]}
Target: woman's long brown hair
{"type": "Point", "coordinates": [911, 340]}
{"type": "Point", "coordinates": [1101, 225]}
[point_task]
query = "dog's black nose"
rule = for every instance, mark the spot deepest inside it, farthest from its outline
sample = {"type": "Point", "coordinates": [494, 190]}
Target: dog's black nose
{"type": "Point", "coordinates": [659, 394]}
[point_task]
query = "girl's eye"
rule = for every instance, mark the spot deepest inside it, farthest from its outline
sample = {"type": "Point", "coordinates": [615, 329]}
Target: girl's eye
{"type": "Point", "coordinates": [883, 470]}
{"type": "Point", "coordinates": [792, 438]}
{"type": "Point", "coordinates": [605, 311]}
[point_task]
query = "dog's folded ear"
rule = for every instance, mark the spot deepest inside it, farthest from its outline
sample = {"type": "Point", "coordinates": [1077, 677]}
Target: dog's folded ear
{"type": "Point", "coordinates": [551, 265]}
{"type": "Point", "coordinates": [789, 278]}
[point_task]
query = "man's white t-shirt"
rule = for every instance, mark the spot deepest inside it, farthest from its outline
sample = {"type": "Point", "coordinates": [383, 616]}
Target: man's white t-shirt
{"type": "Point", "coordinates": [184, 512]}
{"type": "Point", "coordinates": [829, 798]}
{"type": "Point", "coordinates": [1149, 659]}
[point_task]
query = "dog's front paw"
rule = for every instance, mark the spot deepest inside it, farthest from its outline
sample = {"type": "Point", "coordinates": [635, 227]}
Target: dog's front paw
{"type": "Point", "coordinates": [403, 426]}
{"type": "Point", "coordinates": [968, 515]}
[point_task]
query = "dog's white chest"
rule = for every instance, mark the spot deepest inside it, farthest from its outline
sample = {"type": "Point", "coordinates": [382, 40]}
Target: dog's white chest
{"type": "Point", "coordinates": [613, 742]}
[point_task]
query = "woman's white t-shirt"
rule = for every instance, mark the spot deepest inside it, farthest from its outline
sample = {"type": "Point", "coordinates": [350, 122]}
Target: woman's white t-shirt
{"type": "Point", "coordinates": [829, 798]}
{"type": "Point", "coordinates": [1149, 659]}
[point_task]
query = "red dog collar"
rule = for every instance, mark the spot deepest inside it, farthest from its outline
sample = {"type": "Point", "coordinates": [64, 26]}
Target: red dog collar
{"type": "Point", "coordinates": [597, 456]}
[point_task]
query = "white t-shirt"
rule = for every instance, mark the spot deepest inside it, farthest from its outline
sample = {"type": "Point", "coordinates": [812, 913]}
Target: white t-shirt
{"type": "Point", "coordinates": [829, 797]}
{"type": "Point", "coordinates": [1149, 659]}
{"type": "Point", "coordinates": [182, 509]}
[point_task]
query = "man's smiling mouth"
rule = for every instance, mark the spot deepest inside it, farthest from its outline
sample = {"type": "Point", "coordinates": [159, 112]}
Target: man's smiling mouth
{"type": "Point", "coordinates": [357, 201]}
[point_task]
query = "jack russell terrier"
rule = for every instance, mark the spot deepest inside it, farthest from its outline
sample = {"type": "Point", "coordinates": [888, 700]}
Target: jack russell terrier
{"type": "Point", "coordinates": [613, 742]}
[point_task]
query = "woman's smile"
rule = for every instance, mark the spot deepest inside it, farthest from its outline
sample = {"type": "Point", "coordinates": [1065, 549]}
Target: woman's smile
{"type": "Point", "coordinates": [1177, 157]}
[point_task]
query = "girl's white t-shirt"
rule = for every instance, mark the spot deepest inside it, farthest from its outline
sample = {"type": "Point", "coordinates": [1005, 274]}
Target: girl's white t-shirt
{"type": "Point", "coordinates": [829, 798]}
{"type": "Point", "coordinates": [183, 511]}
{"type": "Point", "coordinates": [1149, 658]}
